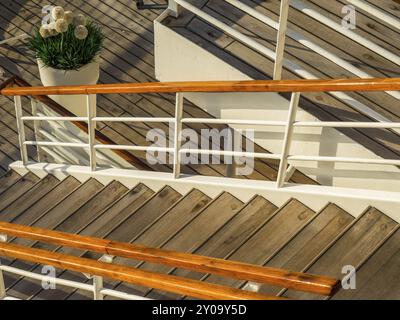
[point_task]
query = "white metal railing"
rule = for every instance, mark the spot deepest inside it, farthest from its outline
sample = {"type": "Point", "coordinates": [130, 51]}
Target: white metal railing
{"type": "Point", "coordinates": [285, 157]}
{"type": "Point", "coordinates": [282, 32]}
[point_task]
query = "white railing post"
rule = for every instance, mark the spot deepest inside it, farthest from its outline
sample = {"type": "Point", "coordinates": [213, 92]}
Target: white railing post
{"type": "Point", "coordinates": [91, 114]}
{"type": "Point", "coordinates": [174, 8]}
{"type": "Point", "coordinates": [21, 129]}
{"type": "Point", "coordinates": [281, 39]}
{"type": "Point", "coordinates": [287, 141]}
{"type": "Point", "coordinates": [3, 238]}
{"type": "Point", "coordinates": [178, 134]}
{"type": "Point", "coordinates": [36, 127]}
{"type": "Point", "coordinates": [98, 287]}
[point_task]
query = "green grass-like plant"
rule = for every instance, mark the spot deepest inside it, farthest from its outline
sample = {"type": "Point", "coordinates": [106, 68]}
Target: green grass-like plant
{"type": "Point", "coordinates": [64, 51]}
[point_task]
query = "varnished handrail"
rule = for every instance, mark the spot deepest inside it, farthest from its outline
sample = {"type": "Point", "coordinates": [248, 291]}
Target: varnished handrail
{"type": "Point", "coordinates": [178, 285]}
{"type": "Point", "coordinates": [386, 84]}
{"type": "Point", "coordinates": [278, 277]}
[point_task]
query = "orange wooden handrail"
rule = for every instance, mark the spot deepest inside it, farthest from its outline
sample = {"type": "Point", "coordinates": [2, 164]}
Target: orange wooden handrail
{"type": "Point", "coordinates": [278, 277]}
{"type": "Point", "coordinates": [387, 84]}
{"type": "Point", "coordinates": [178, 285]}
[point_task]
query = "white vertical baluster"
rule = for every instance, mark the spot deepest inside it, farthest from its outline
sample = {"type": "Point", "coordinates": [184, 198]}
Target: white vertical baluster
{"type": "Point", "coordinates": [294, 103]}
{"type": "Point", "coordinates": [178, 134]}
{"type": "Point", "coordinates": [97, 287]}
{"type": "Point", "coordinates": [21, 129]}
{"type": "Point", "coordinates": [91, 113]}
{"type": "Point", "coordinates": [174, 8]}
{"type": "Point", "coordinates": [36, 127]}
{"type": "Point", "coordinates": [281, 39]}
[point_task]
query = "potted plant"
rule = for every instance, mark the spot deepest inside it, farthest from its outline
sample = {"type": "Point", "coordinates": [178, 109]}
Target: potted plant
{"type": "Point", "coordinates": [67, 48]}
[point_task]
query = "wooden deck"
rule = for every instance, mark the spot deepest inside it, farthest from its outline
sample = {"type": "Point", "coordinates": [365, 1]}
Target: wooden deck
{"type": "Point", "coordinates": [128, 57]}
{"type": "Point", "coordinates": [326, 107]}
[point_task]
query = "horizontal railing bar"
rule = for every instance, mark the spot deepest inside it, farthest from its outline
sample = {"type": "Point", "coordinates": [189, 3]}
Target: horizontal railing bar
{"type": "Point", "coordinates": [174, 284]}
{"type": "Point", "coordinates": [233, 153]}
{"type": "Point", "coordinates": [56, 144]}
{"type": "Point", "coordinates": [41, 277]}
{"type": "Point", "coordinates": [233, 269]}
{"type": "Point", "coordinates": [132, 119]}
{"type": "Point", "coordinates": [376, 125]}
{"type": "Point", "coordinates": [384, 84]}
{"type": "Point", "coordinates": [234, 121]}
{"type": "Point", "coordinates": [122, 295]}
{"type": "Point", "coordinates": [132, 148]}
{"type": "Point", "coordinates": [345, 160]}
{"type": "Point", "coordinates": [381, 125]}
{"type": "Point", "coordinates": [40, 118]}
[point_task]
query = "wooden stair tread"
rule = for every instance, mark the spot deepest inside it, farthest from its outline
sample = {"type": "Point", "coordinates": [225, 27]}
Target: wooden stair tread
{"type": "Point", "coordinates": [309, 242]}
{"type": "Point", "coordinates": [271, 237]}
{"type": "Point", "coordinates": [8, 179]}
{"type": "Point", "coordinates": [101, 227]}
{"type": "Point", "coordinates": [228, 238]}
{"type": "Point", "coordinates": [17, 189]}
{"type": "Point", "coordinates": [193, 235]}
{"type": "Point", "coordinates": [378, 278]}
{"type": "Point", "coordinates": [31, 196]}
{"type": "Point", "coordinates": [352, 248]}
{"type": "Point", "coordinates": [73, 224]}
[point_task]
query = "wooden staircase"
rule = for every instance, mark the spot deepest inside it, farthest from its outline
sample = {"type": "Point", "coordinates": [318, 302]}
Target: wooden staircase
{"type": "Point", "coordinates": [292, 237]}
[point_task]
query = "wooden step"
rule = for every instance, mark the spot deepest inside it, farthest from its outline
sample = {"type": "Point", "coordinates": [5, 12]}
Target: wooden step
{"type": "Point", "coordinates": [270, 238]}
{"type": "Point", "coordinates": [356, 245]}
{"type": "Point", "coordinates": [30, 215]}
{"type": "Point", "coordinates": [378, 278]}
{"type": "Point", "coordinates": [142, 217]}
{"type": "Point", "coordinates": [8, 179]}
{"type": "Point", "coordinates": [110, 219]}
{"type": "Point", "coordinates": [230, 237]}
{"type": "Point", "coordinates": [194, 233]}
{"type": "Point", "coordinates": [77, 221]}
{"type": "Point", "coordinates": [309, 242]}
{"type": "Point", "coordinates": [17, 189]}
{"type": "Point", "coordinates": [38, 191]}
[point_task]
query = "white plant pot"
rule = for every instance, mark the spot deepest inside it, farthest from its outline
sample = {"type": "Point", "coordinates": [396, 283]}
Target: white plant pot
{"type": "Point", "coordinates": [86, 75]}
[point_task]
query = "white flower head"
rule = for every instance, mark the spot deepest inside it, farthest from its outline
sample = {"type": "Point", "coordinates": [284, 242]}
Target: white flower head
{"type": "Point", "coordinates": [57, 13]}
{"type": "Point", "coordinates": [61, 26]}
{"type": "Point", "coordinates": [79, 20]}
{"type": "Point", "coordinates": [68, 16]}
{"type": "Point", "coordinates": [81, 32]}
{"type": "Point", "coordinates": [44, 31]}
